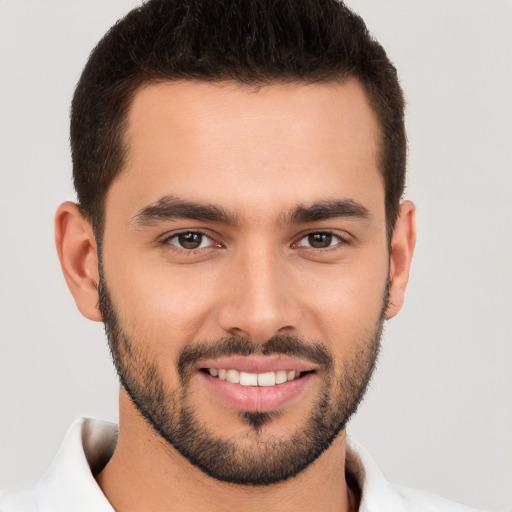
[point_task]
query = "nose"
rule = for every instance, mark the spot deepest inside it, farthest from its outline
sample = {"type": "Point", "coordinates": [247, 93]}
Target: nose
{"type": "Point", "coordinates": [258, 300]}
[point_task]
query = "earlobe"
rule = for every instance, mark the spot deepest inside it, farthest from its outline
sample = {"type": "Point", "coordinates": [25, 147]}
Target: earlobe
{"type": "Point", "coordinates": [76, 247]}
{"type": "Point", "coordinates": [402, 248]}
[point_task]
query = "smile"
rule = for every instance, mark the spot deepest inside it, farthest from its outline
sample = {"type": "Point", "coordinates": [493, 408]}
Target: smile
{"type": "Point", "coordinates": [257, 383]}
{"type": "Point", "coordinates": [266, 379]}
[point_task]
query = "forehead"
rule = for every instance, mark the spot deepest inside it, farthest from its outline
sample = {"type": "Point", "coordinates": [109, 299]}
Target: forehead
{"type": "Point", "coordinates": [238, 146]}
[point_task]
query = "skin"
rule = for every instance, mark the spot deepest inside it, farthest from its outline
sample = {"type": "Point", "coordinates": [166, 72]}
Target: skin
{"type": "Point", "coordinates": [259, 155]}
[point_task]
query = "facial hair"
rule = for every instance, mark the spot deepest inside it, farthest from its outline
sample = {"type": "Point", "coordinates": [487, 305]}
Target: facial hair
{"type": "Point", "coordinates": [266, 461]}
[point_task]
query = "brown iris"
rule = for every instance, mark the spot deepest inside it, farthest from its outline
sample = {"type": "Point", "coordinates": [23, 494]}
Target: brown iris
{"type": "Point", "coordinates": [320, 240]}
{"type": "Point", "coordinates": [190, 240]}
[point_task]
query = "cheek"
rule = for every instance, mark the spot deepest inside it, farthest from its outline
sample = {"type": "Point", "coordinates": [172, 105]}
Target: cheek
{"type": "Point", "coordinates": [346, 303]}
{"type": "Point", "coordinates": [159, 302]}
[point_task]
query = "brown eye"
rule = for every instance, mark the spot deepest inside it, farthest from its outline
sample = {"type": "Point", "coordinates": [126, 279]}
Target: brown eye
{"type": "Point", "coordinates": [320, 240]}
{"type": "Point", "coordinates": [190, 240]}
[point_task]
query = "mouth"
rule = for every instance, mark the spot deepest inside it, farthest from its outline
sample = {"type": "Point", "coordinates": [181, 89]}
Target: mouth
{"type": "Point", "coordinates": [257, 384]}
{"type": "Point", "coordinates": [266, 379]}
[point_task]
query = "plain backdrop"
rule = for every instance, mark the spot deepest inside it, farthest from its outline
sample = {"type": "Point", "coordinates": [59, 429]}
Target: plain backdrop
{"type": "Point", "coordinates": [439, 412]}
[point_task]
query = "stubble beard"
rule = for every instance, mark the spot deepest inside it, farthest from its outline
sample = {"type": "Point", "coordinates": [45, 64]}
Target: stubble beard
{"type": "Point", "coordinates": [267, 460]}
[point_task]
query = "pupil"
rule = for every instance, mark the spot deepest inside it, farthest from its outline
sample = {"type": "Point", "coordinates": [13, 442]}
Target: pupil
{"type": "Point", "coordinates": [320, 240]}
{"type": "Point", "coordinates": [190, 240]}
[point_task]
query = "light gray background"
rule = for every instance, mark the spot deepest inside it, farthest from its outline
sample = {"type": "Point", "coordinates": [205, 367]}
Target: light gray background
{"type": "Point", "coordinates": [439, 412]}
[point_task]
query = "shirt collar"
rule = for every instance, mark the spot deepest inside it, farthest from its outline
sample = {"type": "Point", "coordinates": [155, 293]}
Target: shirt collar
{"type": "Point", "coordinates": [69, 483]}
{"type": "Point", "coordinates": [377, 494]}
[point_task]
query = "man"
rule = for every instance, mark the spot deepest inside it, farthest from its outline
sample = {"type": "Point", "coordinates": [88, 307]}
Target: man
{"type": "Point", "coordinates": [240, 232]}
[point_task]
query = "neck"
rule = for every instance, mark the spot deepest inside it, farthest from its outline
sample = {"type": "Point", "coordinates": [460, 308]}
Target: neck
{"type": "Point", "coordinates": [146, 473]}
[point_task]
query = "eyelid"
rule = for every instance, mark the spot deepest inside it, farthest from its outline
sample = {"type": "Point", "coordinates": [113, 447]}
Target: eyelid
{"type": "Point", "coordinates": [343, 240]}
{"type": "Point", "coordinates": [165, 240]}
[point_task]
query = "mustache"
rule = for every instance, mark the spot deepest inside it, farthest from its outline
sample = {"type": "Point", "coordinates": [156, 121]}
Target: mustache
{"type": "Point", "coordinates": [286, 345]}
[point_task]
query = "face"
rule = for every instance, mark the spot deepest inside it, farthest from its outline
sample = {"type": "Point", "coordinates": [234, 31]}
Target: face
{"type": "Point", "coordinates": [245, 270]}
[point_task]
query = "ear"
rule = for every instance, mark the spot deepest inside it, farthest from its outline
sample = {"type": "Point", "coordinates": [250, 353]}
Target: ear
{"type": "Point", "coordinates": [402, 248]}
{"type": "Point", "coordinates": [76, 246]}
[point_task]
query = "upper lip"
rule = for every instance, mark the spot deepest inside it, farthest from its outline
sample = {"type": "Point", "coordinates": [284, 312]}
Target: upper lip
{"type": "Point", "coordinates": [258, 364]}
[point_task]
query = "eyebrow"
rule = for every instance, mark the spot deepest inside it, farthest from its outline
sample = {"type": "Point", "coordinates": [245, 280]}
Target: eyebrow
{"type": "Point", "coordinates": [324, 210]}
{"type": "Point", "coordinates": [171, 207]}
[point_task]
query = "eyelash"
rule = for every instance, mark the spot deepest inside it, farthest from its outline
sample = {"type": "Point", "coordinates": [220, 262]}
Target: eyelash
{"type": "Point", "coordinates": [174, 247]}
{"type": "Point", "coordinates": [342, 240]}
{"type": "Point", "coordinates": [166, 241]}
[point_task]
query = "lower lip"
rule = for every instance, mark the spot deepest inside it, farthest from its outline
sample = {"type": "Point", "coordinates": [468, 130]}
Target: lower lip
{"type": "Point", "coordinates": [257, 398]}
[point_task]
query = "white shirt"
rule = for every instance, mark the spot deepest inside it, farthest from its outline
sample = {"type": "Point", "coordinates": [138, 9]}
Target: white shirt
{"type": "Point", "coordinates": [69, 484]}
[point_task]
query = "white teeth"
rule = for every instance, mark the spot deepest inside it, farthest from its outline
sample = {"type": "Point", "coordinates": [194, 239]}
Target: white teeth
{"type": "Point", "coordinates": [281, 377]}
{"type": "Point", "coordinates": [253, 379]}
{"type": "Point", "coordinates": [233, 376]}
{"type": "Point", "coordinates": [266, 379]}
{"type": "Point", "coordinates": [248, 379]}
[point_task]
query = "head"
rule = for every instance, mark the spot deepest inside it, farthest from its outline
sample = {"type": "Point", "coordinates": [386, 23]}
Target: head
{"type": "Point", "coordinates": [239, 168]}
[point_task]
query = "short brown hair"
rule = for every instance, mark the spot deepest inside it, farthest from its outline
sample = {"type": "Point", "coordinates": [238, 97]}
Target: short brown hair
{"type": "Point", "coordinates": [256, 42]}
